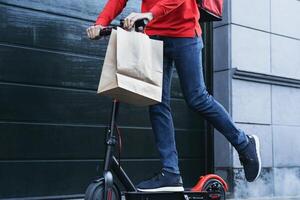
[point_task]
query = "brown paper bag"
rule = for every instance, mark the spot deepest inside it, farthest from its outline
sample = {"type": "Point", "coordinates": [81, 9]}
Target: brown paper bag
{"type": "Point", "coordinates": [133, 68]}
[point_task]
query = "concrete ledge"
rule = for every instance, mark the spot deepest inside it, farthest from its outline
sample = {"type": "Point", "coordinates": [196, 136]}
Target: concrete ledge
{"type": "Point", "coordinates": [264, 78]}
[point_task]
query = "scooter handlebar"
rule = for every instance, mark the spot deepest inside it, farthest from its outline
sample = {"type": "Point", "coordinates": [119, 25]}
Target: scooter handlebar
{"type": "Point", "coordinates": [139, 26]}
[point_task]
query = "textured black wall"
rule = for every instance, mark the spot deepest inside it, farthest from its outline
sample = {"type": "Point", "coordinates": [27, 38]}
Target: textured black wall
{"type": "Point", "coordinates": [51, 119]}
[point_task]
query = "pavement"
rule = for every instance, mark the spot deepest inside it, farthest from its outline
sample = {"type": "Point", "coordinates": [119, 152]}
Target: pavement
{"type": "Point", "coordinates": [264, 198]}
{"type": "Point", "coordinates": [270, 198]}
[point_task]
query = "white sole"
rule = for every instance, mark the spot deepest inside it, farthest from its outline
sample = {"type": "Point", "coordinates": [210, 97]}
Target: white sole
{"type": "Point", "coordinates": [258, 154]}
{"type": "Point", "coordinates": [163, 189]}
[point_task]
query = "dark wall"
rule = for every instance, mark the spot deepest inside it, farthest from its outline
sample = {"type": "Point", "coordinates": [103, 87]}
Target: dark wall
{"type": "Point", "coordinates": [51, 119]}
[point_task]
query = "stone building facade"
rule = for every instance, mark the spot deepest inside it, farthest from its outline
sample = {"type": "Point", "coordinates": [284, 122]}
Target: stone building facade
{"type": "Point", "coordinates": [257, 78]}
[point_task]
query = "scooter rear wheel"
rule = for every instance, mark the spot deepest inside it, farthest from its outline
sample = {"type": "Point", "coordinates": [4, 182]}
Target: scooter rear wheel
{"type": "Point", "coordinates": [95, 191]}
{"type": "Point", "coordinates": [214, 185]}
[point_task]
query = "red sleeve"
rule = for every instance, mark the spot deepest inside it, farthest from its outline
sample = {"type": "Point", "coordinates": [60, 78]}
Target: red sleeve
{"type": "Point", "coordinates": [111, 10]}
{"type": "Point", "coordinates": [163, 7]}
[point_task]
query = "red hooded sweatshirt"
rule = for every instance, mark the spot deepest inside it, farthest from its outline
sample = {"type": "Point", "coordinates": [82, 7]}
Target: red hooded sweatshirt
{"type": "Point", "coordinates": [173, 18]}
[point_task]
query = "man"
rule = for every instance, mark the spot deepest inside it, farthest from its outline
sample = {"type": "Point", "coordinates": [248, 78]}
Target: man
{"type": "Point", "coordinates": [175, 22]}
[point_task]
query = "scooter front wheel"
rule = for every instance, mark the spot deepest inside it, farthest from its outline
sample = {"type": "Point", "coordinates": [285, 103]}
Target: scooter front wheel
{"type": "Point", "coordinates": [95, 191]}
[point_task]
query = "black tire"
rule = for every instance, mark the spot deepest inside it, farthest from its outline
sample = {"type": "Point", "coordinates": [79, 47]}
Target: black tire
{"type": "Point", "coordinates": [214, 185]}
{"type": "Point", "coordinates": [95, 191]}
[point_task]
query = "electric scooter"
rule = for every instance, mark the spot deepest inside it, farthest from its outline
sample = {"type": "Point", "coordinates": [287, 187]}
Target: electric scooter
{"type": "Point", "coordinates": [209, 187]}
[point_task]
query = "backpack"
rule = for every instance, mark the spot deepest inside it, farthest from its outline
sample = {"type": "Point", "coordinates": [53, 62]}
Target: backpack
{"type": "Point", "coordinates": [210, 10]}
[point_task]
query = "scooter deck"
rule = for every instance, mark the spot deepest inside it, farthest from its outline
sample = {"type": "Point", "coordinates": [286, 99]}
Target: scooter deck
{"type": "Point", "coordinates": [186, 195]}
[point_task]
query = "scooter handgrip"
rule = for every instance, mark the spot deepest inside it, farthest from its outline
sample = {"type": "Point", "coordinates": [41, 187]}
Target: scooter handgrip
{"type": "Point", "coordinates": [105, 32]}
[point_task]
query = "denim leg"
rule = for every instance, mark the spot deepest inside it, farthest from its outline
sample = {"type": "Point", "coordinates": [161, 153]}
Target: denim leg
{"type": "Point", "coordinates": [162, 122]}
{"type": "Point", "coordinates": [188, 62]}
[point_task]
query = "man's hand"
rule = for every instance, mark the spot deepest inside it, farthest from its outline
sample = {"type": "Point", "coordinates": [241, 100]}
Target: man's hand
{"type": "Point", "coordinates": [133, 17]}
{"type": "Point", "coordinates": [93, 31]}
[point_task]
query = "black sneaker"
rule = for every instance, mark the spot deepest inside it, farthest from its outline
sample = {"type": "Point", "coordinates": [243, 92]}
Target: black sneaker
{"type": "Point", "coordinates": [163, 181]}
{"type": "Point", "coordinates": [250, 159]}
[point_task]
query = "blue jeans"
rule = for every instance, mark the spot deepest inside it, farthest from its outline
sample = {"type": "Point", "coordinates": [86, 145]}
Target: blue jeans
{"type": "Point", "coordinates": [185, 53]}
